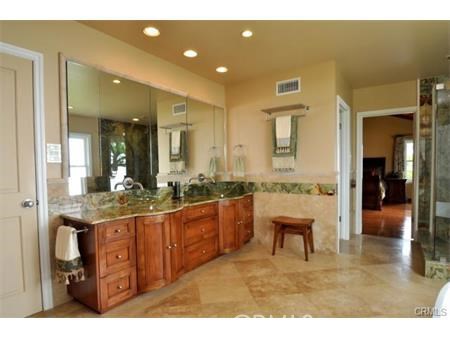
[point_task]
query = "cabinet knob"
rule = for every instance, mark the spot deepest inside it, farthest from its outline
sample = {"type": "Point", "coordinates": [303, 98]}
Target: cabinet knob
{"type": "Point", "coordinates": [203, 211]}
{"type": "Point", "coordinates": [119, 256]}
{"type": "Point", "coordinates": [118, 231]}
{"type": "Point", "coordinates": [248, 231]}
{"type": "Point", "coordinates": [202, 229]}
{"type": "Point", "coordinates": [174, 245]}
{"type": "Point", "coordinates": [169, 247]}
{"type": "Point", "coordinates": [203, 251]}
{"type": "Point", "coordinates": [120, 287]}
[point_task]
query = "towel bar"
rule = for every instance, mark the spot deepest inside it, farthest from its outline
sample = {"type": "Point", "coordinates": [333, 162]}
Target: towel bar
{"type": "Point", "coordinates": [80, 231]}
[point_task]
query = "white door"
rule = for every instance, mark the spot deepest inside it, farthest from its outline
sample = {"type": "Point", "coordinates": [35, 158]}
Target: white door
{"type": "Point", "coordinates": [20, 283]}
{"type": "Point", "coordinates": [344, 158]}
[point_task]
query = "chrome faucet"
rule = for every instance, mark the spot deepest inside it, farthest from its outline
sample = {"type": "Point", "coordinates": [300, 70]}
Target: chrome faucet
{"type": "Point", "coordinates": [202, 178]}
{"type": "Point", "coordinates": [128, 183]}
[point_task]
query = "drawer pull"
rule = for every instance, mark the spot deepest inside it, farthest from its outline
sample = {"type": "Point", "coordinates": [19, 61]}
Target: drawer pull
{"type": "Point", "coordinates": [119, 287]}
{"type": "Point", "coordinates": [203, 251]}
{"type": "Point", "coordinates": [119, 256]}
{"type": "Point", "coordinates": [202, 230]}
{"type": "Point", "coordinates": [203, 211]}
{"type": "Point", "coordinates": [118, 231]}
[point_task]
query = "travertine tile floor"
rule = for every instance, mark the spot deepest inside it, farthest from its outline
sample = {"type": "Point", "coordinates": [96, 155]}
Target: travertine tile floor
{"type": "Point", "coordinates": [373, 278]}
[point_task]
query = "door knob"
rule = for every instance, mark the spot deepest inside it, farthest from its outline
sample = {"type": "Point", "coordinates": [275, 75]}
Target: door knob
{"type": "Point", "coordinates": [27, 203]}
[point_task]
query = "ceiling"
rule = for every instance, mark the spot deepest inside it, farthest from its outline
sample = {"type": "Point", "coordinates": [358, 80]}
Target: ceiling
{"type": "Point", "coordinates": [367, 52]}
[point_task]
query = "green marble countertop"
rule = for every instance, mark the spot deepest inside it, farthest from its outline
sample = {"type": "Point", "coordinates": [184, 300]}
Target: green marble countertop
{"type": "Point", "coordinates": [145, 208]}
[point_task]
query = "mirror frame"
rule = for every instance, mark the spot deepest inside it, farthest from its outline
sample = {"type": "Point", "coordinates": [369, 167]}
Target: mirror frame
{"type": "Point", "coordinates": [64, 134]}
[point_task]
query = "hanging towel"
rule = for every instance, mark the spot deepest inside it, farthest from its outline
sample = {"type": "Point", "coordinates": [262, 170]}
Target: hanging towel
{"type": "Point", "coordinates": [178, 151]}
{"type": "Point", "coordinates": [283, 133]}
{"type": "Point", "coordinates": [69, 267]}
{"type": "Point", "coordinates": [238, 161]}
{"type": "Point", "coordinates": [284, 143]}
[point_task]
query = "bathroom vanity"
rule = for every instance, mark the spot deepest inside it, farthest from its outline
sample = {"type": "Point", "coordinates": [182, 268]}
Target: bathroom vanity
{"type": "Point", "coordinates": [136, 249]}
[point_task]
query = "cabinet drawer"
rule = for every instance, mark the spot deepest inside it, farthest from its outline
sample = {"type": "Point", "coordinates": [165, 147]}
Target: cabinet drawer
{"type": "Point", "coordinates": [116, 230]}
{"type": "Point", "coordinates": [117, 288]}
{"type": "Point", "coordinates": [201, 252]}
{"type": "Point", "coordinates": [200, 211]}
{"type": "Point", "coordinates": [199, 230]}
{"type": "Point", "coordinates": [117, 255]}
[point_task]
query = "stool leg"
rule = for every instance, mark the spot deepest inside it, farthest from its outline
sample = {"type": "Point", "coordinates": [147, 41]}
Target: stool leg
{"type": "Point", "coordinates": [305, 244]}
{"type": "Point", "coordinates": [282, 239]}
{"type": "Point", "coordinates": [311, 239]}
{"type": "Point", "coordinates": [275, 238]}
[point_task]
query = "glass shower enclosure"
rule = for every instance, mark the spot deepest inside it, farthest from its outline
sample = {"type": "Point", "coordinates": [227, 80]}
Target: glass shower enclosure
{"type": "Point", "coordinates": [433, 169]}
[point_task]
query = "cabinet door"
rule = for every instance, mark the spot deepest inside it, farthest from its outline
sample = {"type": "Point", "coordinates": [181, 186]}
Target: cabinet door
{"type": "Point", "coordinates": [153, 251]}
{"type": "Point", "coordinates": [228, 226]}
{"type": "Point", "coordinates": [177, 245]}
{"type": "Point", "coordinates": [245, 219]}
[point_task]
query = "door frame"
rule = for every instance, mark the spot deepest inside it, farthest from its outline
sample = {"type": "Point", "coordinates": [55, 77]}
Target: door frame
{"type": "Point", "coordinates": [359, 154]}
{"type": "Point", "coordinates": [343, 169]}
{"type": "Point", "coordinates": [40, 166]}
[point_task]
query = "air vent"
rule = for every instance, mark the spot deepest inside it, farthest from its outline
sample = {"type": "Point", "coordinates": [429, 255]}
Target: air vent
{"type": "Point", "coordinates": [288, 86]}
{"type": "Point", "coordinates": [179, 109]}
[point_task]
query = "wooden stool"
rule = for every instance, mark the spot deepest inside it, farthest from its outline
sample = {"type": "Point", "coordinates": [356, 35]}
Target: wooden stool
{"type": "Point", "coordinates": [295, 226]}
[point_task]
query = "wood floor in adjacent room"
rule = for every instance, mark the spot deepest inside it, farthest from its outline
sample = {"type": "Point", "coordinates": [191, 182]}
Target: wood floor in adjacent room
{"type": "Point", "coordinates": [394, 220]}
{"type": "Point", "coordinates": [373, 278]}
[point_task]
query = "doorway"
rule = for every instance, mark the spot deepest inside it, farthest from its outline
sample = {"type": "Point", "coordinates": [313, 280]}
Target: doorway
{"type": "Point", "coordinates": [24, 258]}
{"type": "Point", "coordinates": [385, 173]}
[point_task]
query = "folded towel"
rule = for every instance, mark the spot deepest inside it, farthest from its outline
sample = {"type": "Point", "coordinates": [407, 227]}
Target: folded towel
{"type": "Point", "coordinates": [69, 267]}
{"type": "Point", "coordinates": [283, 132]}
{"type": "Point", "coordinates": [178, 151]}
{"type": "Point", "coordinates": [284, 148]}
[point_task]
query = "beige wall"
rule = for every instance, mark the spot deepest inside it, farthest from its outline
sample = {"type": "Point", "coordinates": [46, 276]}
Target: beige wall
{"type": "Point", "coordinates": [316, 143]}
{"type": "Point", "coordinates": [87, 45]}
{"type": "Point", "coordinates": [316, 131]}
{"type": "Point", "coordinates": [379, 133]}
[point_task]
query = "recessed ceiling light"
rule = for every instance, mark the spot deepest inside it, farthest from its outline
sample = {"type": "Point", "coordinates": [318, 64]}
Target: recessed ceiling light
{"type": "Point", "coordinates": [116, 81]}
{"type": "Point", "coordinates": [151, 31]}
{"type": "Point", "coordinates": [70, 107]}
{"type": "Point", "coordinates": [135, 119]}
{"type": "Point", "coordinates": [221, 69]}
{"type": "Point", "coordinates": [190, 53]}
{"type": "Point", "coordinates": [247, 33]}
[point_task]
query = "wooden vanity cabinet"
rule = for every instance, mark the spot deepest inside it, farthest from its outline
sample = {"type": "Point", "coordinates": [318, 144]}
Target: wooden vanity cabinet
{"type": "Point", "coordinates": [159, 250]}
{"type": "Point", "coordinates": [137, 254]}
{"type": "Point", "coordinates": [245, 211]}
{"type": "Point", "coordinates": [108, 252]}
{"type": "Point", "coordinates": [229, 226]}
{"type": "Point", "coordinates": [201, 234]}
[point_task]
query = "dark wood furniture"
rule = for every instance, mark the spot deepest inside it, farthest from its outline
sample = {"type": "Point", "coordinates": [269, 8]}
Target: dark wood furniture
{"type": "Point", "coordinates": [396, 190]}
{"type": "Point", "coordinates": [296, 226]}
{"type": "Point", "coordinates": [138, 254]}
{"type": "Point", "coordinates": [372, 194]}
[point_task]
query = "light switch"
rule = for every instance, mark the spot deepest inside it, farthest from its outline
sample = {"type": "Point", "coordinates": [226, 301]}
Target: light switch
{"type": "Point", "coordinates": [53, 153]}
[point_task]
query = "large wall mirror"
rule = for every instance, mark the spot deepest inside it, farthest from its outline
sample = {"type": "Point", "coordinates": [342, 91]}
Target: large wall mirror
{"type": "Point", "coordinates": [119, 128]}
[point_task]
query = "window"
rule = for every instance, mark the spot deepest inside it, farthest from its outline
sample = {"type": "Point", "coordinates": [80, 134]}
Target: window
{"type": "Point", "coordinates": [409, 159]}
{"type": "Point", "coordinates": [80, 161]}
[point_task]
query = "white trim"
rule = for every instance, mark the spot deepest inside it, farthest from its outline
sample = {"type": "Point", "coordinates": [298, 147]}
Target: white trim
{"type": "Point", "coordinates": [41, 166]}
{"type": "Point", "coordinates": [359, 154]}
{"type": "Point", "coordinates": [415, 214]}
{"type": "Point", "coordinates": [343, 169]}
